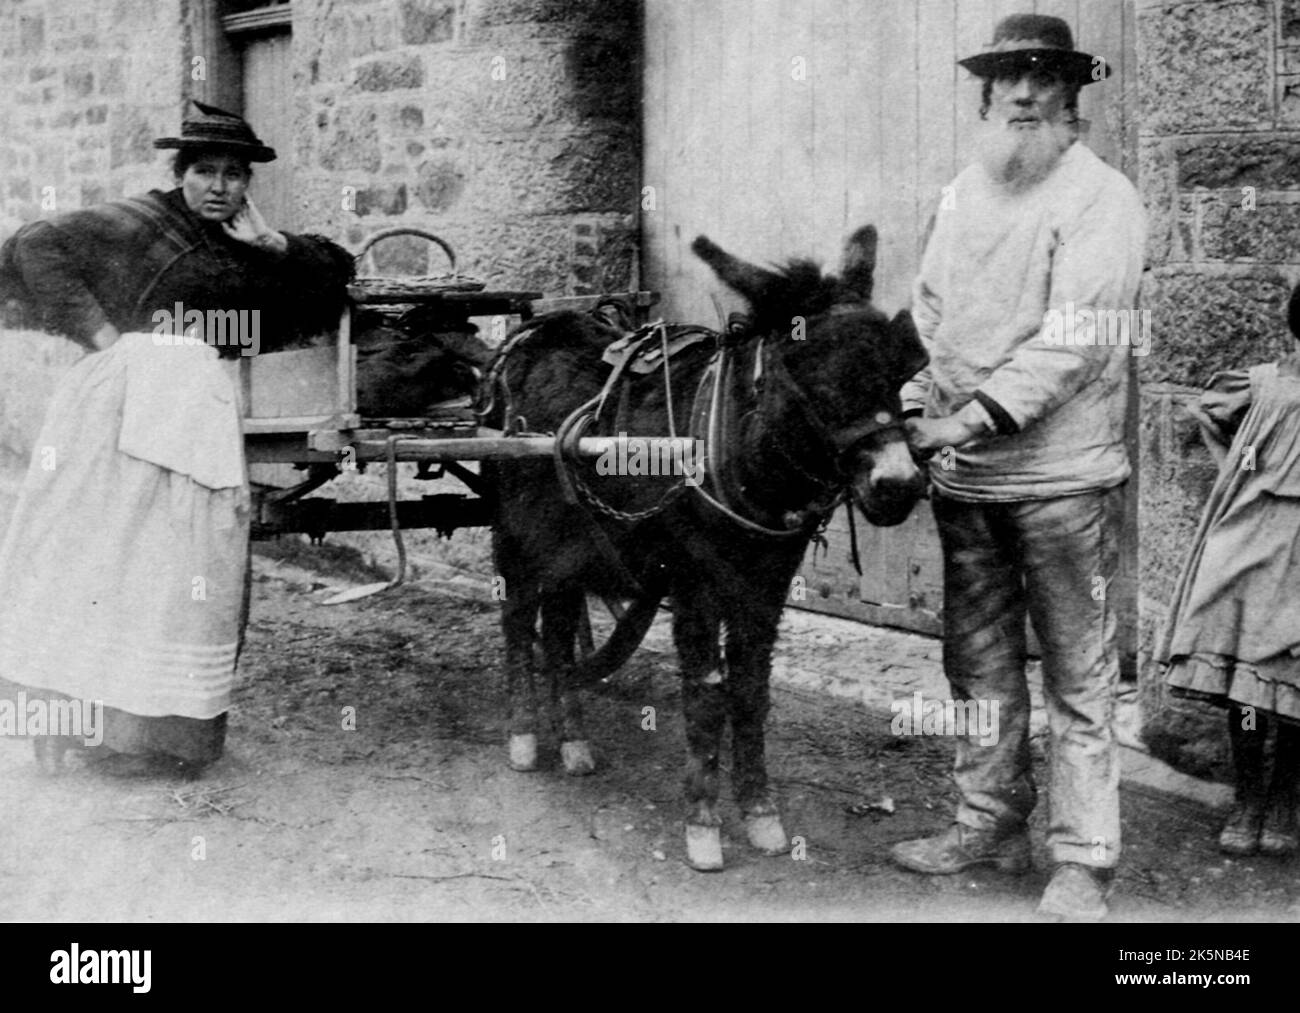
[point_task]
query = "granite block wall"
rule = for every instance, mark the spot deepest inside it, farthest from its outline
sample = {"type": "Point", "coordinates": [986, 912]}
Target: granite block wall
{"type": "Point", "coordinates": [510, 127]}
{"type": "Point", "coordinates": [1220, 173]}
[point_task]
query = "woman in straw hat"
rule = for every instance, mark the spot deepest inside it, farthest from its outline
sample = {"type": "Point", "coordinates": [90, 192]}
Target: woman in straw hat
{"type": "Point", "coordinates": [122, 572]}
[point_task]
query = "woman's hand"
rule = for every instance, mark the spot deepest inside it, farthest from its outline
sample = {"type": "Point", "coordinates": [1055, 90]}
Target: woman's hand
{"type": "Point", "coordinates": [248, 226]}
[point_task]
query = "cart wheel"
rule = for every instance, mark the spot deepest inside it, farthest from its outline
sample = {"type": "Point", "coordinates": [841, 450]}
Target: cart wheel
{"type": "Point", "coordinates": [607, 639]}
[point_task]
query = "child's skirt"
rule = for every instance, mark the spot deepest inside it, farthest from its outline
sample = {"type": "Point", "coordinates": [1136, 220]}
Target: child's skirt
{"type": "Point", "coordinates": [1234, 630]}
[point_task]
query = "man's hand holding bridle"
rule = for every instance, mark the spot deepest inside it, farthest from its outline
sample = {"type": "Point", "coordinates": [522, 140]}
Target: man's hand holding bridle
{"type": "Point", "coordinates": [928, 435]}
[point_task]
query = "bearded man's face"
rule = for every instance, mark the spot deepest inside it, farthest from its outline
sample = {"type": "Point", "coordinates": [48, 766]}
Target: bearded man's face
{"type": "Point", "coordinates": [1028, 128]}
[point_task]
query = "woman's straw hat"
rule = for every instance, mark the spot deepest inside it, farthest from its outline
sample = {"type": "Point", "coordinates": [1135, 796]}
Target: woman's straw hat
{"type": "Point", "coordinates": [211, 127]}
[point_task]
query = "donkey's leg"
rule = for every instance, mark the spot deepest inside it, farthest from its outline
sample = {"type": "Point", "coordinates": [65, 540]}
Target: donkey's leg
{"type": "Point", "coordinates": [518, 619]}
{"type": "Point", "coordinates": [560, 611]}
{"type": "Point", "coordinates": [751, 634]}
{"type": "Point", "coordinates": [704, 703]}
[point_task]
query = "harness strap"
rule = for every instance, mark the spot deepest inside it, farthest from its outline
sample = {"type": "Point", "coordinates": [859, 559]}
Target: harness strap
{"type": "Point", "coordinates": [854, 557]}
{"type": "Point", "coordinates": [710, 415]}
{"type": "Point", "coordinates": [566, 442]}
{"type": "Point", "coordinates": [632, 344]}
{"type": "Point", "coordinates": [494, 380]}
{"type": "Point", "coordinates": [713, 414]}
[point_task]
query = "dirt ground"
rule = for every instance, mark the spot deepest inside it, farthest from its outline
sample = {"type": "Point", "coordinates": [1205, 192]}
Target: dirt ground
{"type": "Point", "coordinates": [414, 814]}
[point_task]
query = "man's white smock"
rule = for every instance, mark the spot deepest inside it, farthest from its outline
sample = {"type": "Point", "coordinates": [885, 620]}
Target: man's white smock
{"type": "Point", "coordinates": [996, 264]}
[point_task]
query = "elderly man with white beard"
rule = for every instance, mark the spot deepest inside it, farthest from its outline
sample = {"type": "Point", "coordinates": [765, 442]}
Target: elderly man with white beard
{"type": "Point", "coordinates": [1028, 467]}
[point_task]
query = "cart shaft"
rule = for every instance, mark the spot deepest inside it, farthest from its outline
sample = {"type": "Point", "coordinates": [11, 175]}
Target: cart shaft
{"type": "Point", "coordinates": [487, 445]}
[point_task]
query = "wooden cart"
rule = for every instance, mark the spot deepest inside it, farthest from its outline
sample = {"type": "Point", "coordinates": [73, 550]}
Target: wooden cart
{"type": "Point", "coordinates": [301, 409]}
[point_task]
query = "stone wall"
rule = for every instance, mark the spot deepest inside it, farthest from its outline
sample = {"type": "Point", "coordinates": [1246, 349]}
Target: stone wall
{"type": "Point", "coordinates": [85, 88]}
{"type": "Point", "coordinates": [510, 127]}
{"type": "Point", "coordinates": [1220, 172]}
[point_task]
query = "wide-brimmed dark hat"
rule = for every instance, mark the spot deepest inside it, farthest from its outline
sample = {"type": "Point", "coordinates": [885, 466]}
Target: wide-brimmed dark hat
{"type": "Point", "coordinates": [1025, 42]}
{"type": "Point", "coordinates": [210, 127]}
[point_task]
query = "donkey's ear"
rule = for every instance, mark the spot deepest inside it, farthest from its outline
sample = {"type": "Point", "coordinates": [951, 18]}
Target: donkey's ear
{"type": "Point", "coordinates": [746, 279]}
{"type": "Point", "coordinates": [909, 353]}
{"type": "Point", "coordinates": [858, 273]}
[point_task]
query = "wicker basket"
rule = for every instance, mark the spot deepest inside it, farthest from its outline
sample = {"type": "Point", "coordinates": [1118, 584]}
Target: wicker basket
{"type": "Point", "coordinates": [372, 288]}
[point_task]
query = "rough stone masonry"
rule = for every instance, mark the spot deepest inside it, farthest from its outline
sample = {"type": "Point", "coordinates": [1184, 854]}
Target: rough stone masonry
{"type": "Point", "coordinates": [1220, 172]}
{"type": "Point", "coordinates": [509, 127]}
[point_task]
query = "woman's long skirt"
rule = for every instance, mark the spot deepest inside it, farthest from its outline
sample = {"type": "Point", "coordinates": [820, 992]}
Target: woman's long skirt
{"type": "Point", "coordinates": [122, 571]}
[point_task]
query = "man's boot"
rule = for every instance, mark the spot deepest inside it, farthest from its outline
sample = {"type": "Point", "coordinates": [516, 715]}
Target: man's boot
{"type": "Point", "coordinates": [1077, 893]}
{"type": "Point", "coordinates": [961, 847]}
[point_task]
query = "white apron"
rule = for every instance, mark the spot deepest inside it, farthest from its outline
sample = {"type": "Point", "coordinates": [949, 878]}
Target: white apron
{"type": "Point", "coordinates": [121, 573]}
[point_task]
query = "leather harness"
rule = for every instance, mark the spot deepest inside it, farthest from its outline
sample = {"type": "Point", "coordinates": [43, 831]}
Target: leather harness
{"type": "Point", "coordinates": [714, 415]}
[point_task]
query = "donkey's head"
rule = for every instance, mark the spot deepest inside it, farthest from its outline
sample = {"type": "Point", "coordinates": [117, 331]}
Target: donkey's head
{"type": "Point", "coordinates": [832, 367]}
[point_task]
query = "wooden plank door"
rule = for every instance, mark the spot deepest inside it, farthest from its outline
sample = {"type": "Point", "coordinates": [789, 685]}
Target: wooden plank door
{"type": "Point", "coordinates": [268, 106]}
{"type": "Point", "coordinates": [774, 164]}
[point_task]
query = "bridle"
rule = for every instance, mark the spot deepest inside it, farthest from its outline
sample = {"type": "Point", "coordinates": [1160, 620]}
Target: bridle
{"type": "Point", "coordinates": [713, 415]}
{"type": "Point", "coordinates": [837, 444]}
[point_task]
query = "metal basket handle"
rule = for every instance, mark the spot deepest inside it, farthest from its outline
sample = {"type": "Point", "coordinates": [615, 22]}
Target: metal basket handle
{"type": "Point", "coordinates": [404, 230]}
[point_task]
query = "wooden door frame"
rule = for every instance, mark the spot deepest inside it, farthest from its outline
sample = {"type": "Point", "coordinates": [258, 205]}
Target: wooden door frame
{"type": "Point", "coordinates": [211, 31]}
{"type": "Point", "coordinates": [223, 82]}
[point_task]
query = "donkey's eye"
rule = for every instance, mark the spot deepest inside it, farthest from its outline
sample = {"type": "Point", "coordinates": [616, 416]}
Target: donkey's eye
{"type": "Point", "coordinates": [884, 418]}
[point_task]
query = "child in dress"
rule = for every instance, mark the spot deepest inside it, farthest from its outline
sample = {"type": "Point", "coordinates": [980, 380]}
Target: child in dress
{"type": "Point", "coordinates": [1234, 633]}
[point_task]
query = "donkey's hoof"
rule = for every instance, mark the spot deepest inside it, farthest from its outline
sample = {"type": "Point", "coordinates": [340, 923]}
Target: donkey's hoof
{"type": "Point", "coordinates": [766, 834]}
{"type": "Point", "coordinates": [577, 758]}
{"type": "Point", "coordinates": [523, 752]}
{"type": "Point", "coordinates": [704, 848]}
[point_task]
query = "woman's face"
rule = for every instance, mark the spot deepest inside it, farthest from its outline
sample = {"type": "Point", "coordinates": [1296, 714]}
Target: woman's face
{"type": "Point", "coordinates": [214, 186]}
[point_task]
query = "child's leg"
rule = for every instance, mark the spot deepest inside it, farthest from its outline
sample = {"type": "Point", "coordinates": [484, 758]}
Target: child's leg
{"type": "Point", "coordinates": [1279, 836]}
{"type": "Point", "coordinates": [1247, 731]}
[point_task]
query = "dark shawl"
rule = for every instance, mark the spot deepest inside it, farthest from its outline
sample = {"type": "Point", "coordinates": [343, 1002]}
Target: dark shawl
{"type": "Point", "coordinates": [122, 261]}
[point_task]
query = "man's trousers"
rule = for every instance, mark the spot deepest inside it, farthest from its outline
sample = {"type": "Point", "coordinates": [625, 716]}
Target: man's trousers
{"type": "Point", "coordinates": [1053, 560]}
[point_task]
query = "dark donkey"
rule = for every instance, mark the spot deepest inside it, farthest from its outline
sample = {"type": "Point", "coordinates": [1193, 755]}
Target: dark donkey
{"type": "Point", "coordinates": [804, 414]}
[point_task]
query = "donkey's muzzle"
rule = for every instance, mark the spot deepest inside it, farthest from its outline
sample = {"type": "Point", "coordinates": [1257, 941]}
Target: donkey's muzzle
{"type": "Point", "coordinates": [891, 486]}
